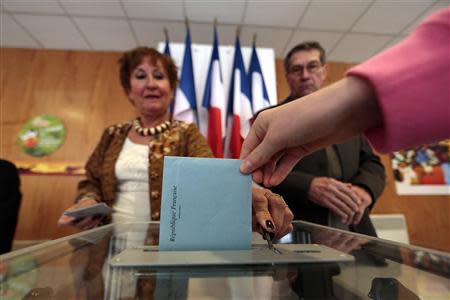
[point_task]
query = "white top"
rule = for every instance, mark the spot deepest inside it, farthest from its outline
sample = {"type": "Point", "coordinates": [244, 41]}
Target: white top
{"type": "Point", "coordinates": [132, 201]}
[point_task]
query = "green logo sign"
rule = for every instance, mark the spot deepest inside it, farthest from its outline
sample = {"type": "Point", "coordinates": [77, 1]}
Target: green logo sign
{"type": "Point", "coordinates": [41, 135]}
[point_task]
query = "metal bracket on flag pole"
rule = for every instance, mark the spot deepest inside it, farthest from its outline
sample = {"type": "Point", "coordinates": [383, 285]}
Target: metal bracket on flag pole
{"type": "Point", "coordinates": [166, 33]}
{"type": "Point", "coordinates": [215, 24]}
{"type": "Point", "coordinates": [186, 21]}
{"type": "Point", "coordinates": [238, 30]}
{"type": "Point", "coordinates": [254, 39]}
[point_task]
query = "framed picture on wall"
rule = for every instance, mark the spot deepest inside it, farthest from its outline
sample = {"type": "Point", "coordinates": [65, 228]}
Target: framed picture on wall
{"type": "Point", "coordinates": [423, 170]}
{"type": "Point", "coordinates": [41, 135]}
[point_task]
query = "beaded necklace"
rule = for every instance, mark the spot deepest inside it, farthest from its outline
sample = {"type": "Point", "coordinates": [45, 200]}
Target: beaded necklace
{"type": "Point", "coordinates": [150, 131]}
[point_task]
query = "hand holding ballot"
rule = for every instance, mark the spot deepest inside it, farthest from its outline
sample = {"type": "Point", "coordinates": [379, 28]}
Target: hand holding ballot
{"type": "Point", "coordinates": [375, 98]}
{"type": "Point", "coordinates": [86, 218]}
{"type": "Point", "coordinates": [270, 212]}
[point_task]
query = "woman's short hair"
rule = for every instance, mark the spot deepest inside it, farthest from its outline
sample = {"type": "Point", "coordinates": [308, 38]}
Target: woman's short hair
{"type": "Point", "coordinates": [133, 58]}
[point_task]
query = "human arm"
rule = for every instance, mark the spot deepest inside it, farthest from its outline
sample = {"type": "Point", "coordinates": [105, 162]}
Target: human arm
{"type": "Point", "coordinates": [411, 85]}
{"type": "Point", "coordinates": [89, 192]}
{"type": "Point", "coordinates": [10, 200]}
{"type": "Point", "coordinates": [279, 138]}
{"type": "Point", "coordinates": [371, 175]}
{"type": "Point", "coordinates": [9, 183]}
{"type": "Point", "coordinates": [391, 89]}
{"type": "Point", "coordinates": [339, 176]}
{"type": "Point", "coordinates": [337, 196]}
{"type": "Point", "coordinates": [307, 186]}
{"type": "Point", "coordinates": [367, 179]}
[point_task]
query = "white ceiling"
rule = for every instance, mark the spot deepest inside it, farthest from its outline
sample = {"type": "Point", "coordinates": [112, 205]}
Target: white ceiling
{"type": "Point", "coordinates": [350, 30]}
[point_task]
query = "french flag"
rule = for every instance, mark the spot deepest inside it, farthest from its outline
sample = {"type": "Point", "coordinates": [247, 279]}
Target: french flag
{"type": "Point", "coordinates": [258, 92]}
{"type": "Point", "coordinates": [239, 105]}
{"type": "Point", "coordinates": [214, 101]}
{"type": "Point", "coordinates": [185, 106]}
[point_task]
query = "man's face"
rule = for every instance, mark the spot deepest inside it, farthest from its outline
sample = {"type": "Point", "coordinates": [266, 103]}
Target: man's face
{"type": "Point", "coordinates": [305, 74]}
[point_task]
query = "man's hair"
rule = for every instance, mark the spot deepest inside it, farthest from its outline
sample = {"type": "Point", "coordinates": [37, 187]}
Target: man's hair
{"type": "Point", "coordinates": [305, 46]}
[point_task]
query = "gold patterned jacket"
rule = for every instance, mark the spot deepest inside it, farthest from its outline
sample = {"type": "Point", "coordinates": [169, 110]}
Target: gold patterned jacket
{"type": "Point", "coordinates": [181, 139]}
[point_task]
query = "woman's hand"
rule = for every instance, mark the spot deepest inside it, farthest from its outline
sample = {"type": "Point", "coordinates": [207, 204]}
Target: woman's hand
{"type": "Point", "coordinates": [81, 223]}
{"type": "Point", "coordinates": [271, 213]}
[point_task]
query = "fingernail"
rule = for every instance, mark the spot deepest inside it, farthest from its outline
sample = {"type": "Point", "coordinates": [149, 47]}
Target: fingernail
{"type": "Point", "coordinates": [245, 166]}
{"type": "Point", "coordinates": [269, 224]}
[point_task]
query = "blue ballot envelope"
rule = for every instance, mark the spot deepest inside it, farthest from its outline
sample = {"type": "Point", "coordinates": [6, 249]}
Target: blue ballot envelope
{"type": "Point", "coordinates": [206, 205]}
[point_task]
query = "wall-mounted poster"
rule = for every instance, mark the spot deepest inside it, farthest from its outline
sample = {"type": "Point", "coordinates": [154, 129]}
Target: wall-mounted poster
{"type": "Point", "coordinates": [41, 135]}
{"type": "Point", "coordinates": [423, 170]}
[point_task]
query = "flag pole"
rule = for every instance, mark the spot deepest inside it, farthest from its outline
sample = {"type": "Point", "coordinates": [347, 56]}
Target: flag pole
{"type": "Point", "coordinates": [186, 22]}
{"type": "Point", "coordinates": [166, 33]}
{"type": "Point", "coordinates": [188, 49]}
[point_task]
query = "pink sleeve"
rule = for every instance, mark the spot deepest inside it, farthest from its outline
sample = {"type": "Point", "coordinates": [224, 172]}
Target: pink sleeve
{"type": "Point", "coordinates": [411, 82]}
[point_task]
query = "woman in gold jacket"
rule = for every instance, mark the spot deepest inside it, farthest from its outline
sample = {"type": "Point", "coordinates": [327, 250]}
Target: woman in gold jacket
{"type": "Point", "coordinates": [125, 169]}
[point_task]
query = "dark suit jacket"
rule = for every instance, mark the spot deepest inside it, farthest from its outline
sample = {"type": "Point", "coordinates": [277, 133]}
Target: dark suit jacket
{"type": "Point", "coordinates": [360, 166]}
{"type": "Point", "coordinates": [10, 198]}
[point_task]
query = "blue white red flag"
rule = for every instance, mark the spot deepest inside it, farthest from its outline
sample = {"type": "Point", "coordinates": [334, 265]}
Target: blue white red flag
{"type": "Point", "coordinates": [258, 91]}
{"type": "Point", "coordinates": [239, 106]}
{"type": "Point", "coordinates": [185, 106]}
{"type": "Point", "coordinates": [214, 101]}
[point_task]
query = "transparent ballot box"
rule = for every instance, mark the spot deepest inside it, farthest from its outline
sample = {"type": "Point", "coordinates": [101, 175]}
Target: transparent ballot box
{"type": "Point", "coordinates": [122, 261]}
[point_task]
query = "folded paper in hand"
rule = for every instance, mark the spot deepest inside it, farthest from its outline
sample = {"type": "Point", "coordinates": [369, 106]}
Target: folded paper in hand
{"type": "Point", "coordinates": [92, 210]}
{"type": "Point", "coordinates": [206, 205]}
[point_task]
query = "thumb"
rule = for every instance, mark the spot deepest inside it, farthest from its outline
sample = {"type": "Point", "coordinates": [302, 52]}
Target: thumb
{"type": "Point", "coordinates": [257, 157]}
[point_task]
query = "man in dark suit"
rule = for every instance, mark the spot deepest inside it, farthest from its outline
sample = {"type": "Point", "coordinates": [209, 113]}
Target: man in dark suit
{"type": "Point", "coordinates": [336, 186]}
{"type": "Point", "coordinates": [10, 198]}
